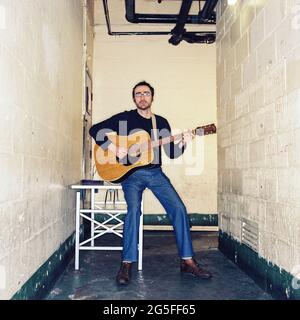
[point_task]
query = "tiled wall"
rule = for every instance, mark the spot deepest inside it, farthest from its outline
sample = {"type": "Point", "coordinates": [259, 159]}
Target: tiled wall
{"type": "Point", "coordinates": [40, 132]}
{"type": "Point", "coordinates": [258, 84]}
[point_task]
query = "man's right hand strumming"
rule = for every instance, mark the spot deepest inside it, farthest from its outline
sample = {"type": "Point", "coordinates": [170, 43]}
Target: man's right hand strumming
{"type": "Point", "coordinates": [120, 152]}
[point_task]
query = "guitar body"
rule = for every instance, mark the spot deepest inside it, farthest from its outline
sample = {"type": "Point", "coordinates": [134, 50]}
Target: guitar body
{"type": "Point", "coordinates": [110, 168]}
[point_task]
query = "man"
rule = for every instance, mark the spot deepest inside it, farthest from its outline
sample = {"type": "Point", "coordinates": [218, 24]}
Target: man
{"type": "Point", "coordinates": [151, 177]}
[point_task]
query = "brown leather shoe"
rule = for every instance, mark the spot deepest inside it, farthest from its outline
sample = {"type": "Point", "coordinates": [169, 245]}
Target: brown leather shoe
{"type": "Point", "coordinates": [191, 267]}
{"type": "Point", "coordinates": [124, 274]}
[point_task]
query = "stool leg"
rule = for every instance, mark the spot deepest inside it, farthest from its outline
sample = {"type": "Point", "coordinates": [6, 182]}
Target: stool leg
{"type": "Point", "coordinates": [140, 246]}
{"type": "Point", "coordinates": [77, 230]}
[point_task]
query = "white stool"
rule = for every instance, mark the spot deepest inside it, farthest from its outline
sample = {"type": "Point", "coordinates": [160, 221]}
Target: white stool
{"type": "Point", "coordinates": [112, 207]}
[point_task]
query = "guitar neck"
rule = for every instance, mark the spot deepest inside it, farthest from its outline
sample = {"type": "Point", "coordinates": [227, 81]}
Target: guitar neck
{"type": "Point", "coordinates": [165, 140]}
{"type": "Point", "coordinates": [200, 131]}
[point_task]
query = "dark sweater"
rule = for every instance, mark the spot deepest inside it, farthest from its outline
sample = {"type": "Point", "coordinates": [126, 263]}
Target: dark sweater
{"type": "Point", "coordinates": [128, 122]}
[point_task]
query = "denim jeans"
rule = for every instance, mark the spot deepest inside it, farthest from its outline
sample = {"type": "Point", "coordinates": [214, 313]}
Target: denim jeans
{"type": "Point", "coordinates": [160, 185]}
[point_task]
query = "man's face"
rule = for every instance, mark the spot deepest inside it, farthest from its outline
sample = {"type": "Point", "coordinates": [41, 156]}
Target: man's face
{"type": "Point", "coordinates": [142, 97]}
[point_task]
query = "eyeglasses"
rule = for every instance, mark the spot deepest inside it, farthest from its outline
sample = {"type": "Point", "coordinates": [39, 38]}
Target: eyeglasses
{"type": "Point", "coordinates": [142, 94]}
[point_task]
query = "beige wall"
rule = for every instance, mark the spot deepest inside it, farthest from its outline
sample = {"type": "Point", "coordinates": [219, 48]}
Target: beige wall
{"type": "Point", "coordinates": [184, 80]}
{"type": "Point", "coordinates": [258, 63]}
{"type": "Point", "coordinates": [40, 132]}
{"type": "Point", "coordinates": [90, 35]}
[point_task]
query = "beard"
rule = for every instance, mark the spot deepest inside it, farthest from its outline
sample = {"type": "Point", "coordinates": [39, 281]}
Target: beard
{"type": "Point", "coordinates": [143, 105]}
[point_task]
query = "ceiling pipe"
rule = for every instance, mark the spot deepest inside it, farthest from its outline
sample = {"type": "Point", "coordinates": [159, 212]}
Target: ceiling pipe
{"type": "Point", "coordinates": [190, 37]}
{"type": "Point", "coordinates": [179, 33]}
{"type": "Point", "coordinates": [133, 17]}
{"type": "Point", "coordinates": [207, 38]}
{"type": "Point", "coordinates": [128, 33]}
{"type": "Point", "coordinates": [179, 30]}
{"type": "Point", "coordinates": [208, 10]}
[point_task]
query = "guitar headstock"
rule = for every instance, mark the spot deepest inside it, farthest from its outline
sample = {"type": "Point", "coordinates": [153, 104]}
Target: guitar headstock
{"type": "Point", "coordinates": [205, 130]}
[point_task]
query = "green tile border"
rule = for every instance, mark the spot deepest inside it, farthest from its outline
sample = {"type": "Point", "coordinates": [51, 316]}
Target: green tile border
{"type": "Point", "coordinates": [37, 287]}
{"type": "Point", "coordinates": [195, 219]}
{"type": "Point", "coordinates": [268, 276]}
{"type": "Point", "coordinates": [39, 283]}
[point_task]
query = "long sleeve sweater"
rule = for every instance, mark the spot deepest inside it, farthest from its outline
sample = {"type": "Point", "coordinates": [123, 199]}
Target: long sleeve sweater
{"type": "Point", "coordinates": [128, 122]}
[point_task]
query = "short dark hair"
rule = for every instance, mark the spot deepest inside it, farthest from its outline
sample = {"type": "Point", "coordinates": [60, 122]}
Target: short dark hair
{"type": "Point", "coordinates": [143, 83]}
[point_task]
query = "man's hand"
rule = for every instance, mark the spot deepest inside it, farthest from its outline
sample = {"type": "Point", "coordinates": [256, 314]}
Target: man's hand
{"type": "Point", "coordinates": [185, 138]}
{"type": "Point", "coordinates": [120, 152]}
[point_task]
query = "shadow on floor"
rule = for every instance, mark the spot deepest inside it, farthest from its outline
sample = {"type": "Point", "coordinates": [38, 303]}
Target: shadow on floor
{"type": "Point", "coordinates": [160, 278]}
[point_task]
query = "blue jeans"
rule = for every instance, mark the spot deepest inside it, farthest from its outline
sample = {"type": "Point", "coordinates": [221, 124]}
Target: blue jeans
{"type": "Point", "coordinates": [160, 185]}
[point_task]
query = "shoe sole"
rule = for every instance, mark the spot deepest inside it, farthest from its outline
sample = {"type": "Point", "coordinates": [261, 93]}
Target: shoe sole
{"type": "Point", "coordinates": [122, 283]}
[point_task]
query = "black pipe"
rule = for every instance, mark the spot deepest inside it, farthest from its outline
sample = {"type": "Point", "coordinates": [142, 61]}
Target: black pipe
{"type": "Point", "coordinates": [112, 33]}
{"type": "Point", "coordinates": [182, 17]}
{"type": "Point", "coordinates": [165, 18]}
{"type": "Point", "coordinates": [191, 37]}
{"type": "Point", "coordinates": [195, 37]}
{"type": "Point", "coordinates": [130, 14]}
{"type": "Point", "coordinates": [179, 30]}
{"type": "Point", "coordinates": [133, 17]}
{"type": "Point", "coordinates": [107, 19]}
{"type": "Point", "coordinates": [199, 38]}
{"type": "Point", "coordinates": [179, 33]}
{"type": "Point", "coordinates": [207, 13]}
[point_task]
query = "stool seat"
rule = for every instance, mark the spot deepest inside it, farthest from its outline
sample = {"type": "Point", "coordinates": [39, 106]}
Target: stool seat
{"type": "Point", "coordinates": [111, 206]}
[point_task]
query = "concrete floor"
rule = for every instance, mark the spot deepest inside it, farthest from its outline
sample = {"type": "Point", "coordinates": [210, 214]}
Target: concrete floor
{"type": "Point", "coordinates": [160, 278]}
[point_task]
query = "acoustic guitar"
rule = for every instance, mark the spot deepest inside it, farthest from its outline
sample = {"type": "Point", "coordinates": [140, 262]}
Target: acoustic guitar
{"type": "Point", "coordinates": [140, 152]}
